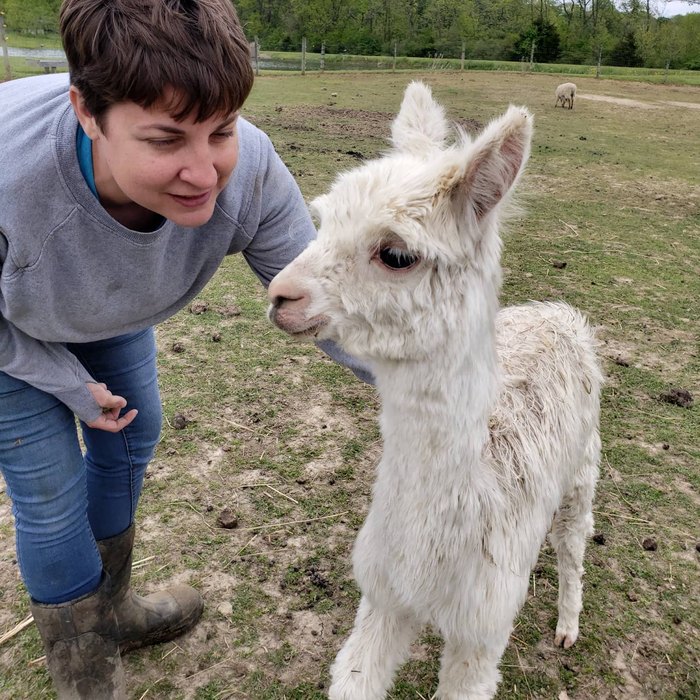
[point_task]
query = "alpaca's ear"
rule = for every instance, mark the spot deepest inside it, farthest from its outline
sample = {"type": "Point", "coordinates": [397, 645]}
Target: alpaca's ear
{"type": "Point", "coordinates": [420, 126]}
{"type": "Point", "coordinates": [495, 160]}
{"type": "Point", "coordinates": [317, 208]}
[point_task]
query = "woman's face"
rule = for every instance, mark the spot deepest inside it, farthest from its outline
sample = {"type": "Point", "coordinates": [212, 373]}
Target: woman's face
{"type": "Point", "coordinates": [146, 162]}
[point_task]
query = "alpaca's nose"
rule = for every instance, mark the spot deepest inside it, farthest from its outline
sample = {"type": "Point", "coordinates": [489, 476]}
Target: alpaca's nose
{"type": "Point", "coordinates": [283, 291]}
{"type": "Point", "coordinates": [288, 303]}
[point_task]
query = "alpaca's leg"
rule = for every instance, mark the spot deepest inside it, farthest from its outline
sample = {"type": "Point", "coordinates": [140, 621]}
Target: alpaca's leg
{"type": "Point", "coordinates": [470, 672]}
{"type": "Point", "coordinates": [380, 640]}
{"type": "Point", "coordinates": [572, 524]}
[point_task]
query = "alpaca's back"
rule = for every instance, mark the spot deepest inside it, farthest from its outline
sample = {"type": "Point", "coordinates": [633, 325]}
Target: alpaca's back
{"type": "Point", "coordinates": [549, 402]}
{"type": "Point", "coordinates": [543, 432]}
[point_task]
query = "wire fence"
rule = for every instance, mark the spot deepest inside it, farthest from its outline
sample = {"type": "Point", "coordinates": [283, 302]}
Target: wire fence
{"type": "Point", "coordinates": [20, 62]}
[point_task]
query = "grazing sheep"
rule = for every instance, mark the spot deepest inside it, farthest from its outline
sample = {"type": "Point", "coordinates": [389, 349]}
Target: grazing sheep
{"type": "Point", "coordinates": [565, 94]}
{"type": "Point", "coordinates": [489, 418]}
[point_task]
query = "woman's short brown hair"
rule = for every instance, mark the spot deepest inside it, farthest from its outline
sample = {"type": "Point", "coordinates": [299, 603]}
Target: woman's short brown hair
{"type": "Point", "coordinates": [136, 50]}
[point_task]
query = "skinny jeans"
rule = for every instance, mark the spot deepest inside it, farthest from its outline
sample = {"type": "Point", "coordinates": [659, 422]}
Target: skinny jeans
{"type": "Point", "coordinates": [64, 498]}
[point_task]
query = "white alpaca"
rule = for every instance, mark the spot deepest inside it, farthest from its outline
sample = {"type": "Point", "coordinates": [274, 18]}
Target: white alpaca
{"type": "Point", "coordinates": [489, 418]}
{"type": "Point", "coordinates": [565, 94]}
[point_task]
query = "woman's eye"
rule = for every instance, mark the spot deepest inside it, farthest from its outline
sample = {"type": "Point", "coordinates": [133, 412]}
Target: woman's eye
{"type": "Point", "coordinates": [162, 143]}
{"type": "Point", "coordinates": [397, 258]}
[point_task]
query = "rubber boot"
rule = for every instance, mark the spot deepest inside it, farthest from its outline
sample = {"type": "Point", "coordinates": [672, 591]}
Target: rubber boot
{"type": "Point", "coordinates": [152, 619]}
{"type": "Point", "coordinates": [82, 651]}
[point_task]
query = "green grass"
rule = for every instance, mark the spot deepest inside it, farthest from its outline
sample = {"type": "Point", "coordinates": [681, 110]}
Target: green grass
{"type": "Point", "coordinates": [288, 441]}
{"type": "Point", "coordinates": [284, 60]}
{"type": "Point", "coordinates": [19, 40]}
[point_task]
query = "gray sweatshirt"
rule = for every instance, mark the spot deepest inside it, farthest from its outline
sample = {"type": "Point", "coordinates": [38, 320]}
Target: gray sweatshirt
{"type": "Point", "coordinates": [70, 273]}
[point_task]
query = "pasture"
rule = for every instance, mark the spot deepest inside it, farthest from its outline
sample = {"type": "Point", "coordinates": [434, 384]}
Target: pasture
{"type": "Point", "coordinates": [265, 467]}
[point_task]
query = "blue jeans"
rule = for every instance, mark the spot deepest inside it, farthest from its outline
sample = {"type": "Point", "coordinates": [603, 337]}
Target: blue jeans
{"type": "Point", "coordinates": [63, 501]}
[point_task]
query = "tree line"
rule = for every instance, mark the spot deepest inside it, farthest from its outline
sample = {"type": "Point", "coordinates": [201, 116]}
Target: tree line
{"type": "Point", "coordinates": [627, 33]}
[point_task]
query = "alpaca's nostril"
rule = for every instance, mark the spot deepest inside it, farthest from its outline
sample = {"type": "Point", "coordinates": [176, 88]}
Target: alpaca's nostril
{"type": "Point", "coordinates": [279, 300]}
{"type": "Point", "coordinates": [284, 290]}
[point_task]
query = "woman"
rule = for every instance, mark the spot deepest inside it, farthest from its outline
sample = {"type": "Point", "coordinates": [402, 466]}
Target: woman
{"type": "Point", "coordinates": [120, 195]}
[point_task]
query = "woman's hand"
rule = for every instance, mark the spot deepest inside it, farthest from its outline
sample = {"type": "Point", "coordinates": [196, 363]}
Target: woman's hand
{"type": "Point", "coordinates": [111, 406]}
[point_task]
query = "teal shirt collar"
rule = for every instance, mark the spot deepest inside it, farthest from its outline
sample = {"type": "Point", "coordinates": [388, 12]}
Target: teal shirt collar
{"type": "Point", "coordinates": [84, 146]}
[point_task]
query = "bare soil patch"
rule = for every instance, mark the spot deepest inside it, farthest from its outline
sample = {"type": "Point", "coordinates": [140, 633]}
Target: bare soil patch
{"type": "Point", "coordinates": [626, 102]}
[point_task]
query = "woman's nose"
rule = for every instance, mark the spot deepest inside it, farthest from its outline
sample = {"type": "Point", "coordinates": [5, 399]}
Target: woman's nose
{"type": "Point", "coordinates": [200, 171]}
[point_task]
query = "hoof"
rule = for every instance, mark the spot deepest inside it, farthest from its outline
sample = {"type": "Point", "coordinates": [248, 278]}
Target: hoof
{"type": "Point", "coordinates": [565, 639]}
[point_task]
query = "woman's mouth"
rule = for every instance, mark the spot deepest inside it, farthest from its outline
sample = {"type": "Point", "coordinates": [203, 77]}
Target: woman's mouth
{"type": "Point", "coordinates": [191, 201]}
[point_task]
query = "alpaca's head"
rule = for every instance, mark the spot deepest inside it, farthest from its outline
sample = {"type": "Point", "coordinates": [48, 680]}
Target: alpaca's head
{"type": "Point", "coordinates": [408, 241]}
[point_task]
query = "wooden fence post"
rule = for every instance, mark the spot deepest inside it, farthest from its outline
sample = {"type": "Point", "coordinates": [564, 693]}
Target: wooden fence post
{"type": "Point", "coordinates": [532, 55]}
{"type": "Point", "coordinates": [303, 56]}
{"type": "Point", "coordinates": [464, 48]}
{"type": "Point", "coordinates": [323, 56]}
{"type": "Point", "coordinates": [597, 65]}
{"type": "Point", "coordinates": [256, 56]}
{"type": "Point", "coordinates": [393, 66]}
{"type": "Point", "coordinates": [5, 52]}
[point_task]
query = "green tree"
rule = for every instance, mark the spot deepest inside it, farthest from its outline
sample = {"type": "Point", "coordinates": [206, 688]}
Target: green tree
{"type": "Point", "coordinates": [587, 29]}
{"type": "Point", "coordinates": [32, 16]}
{"type": "Point", "coordinates": [268, 20]}
{"type": "Point", "coordinates": [546, 38]}
{"type": "Point", "coordinates": [678, 41]}
{"type": "Point", "coordinates": [573, 31]}
{"type": "Point", "coordinates": [625, 52]}
{"type": "Point", "coordinates": [689, 40]}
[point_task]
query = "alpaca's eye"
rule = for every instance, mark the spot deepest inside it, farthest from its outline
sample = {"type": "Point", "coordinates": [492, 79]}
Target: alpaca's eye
{"type": "Point", "coordinates": [397, 258]}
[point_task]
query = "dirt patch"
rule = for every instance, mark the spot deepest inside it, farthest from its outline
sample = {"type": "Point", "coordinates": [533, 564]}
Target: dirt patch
{"type": "Point", "coordinates": [631, 688]}
{"type": "Point", "coordinates": [633, 348]}
{"type": "Point", "coordinates": [623, 101]}
{"type": "Point", "coordinates": [336, 121]}
{"type": "Point", "coordinates": [689, 105]}
{"type": "Point", "coordinates": [626, 102]}
{"type": "Point", "coordinates": [329, 120]}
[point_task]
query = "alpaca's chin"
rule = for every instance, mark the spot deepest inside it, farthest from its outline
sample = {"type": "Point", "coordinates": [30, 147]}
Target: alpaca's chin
{"type": "Point", "coordinates": [296, 324]}
{"type": "Point", "coordinates": [312, 331]}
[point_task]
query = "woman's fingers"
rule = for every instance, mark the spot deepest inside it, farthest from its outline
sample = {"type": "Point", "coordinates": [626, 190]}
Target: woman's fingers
{"type": "Point", "coordinates": [111, 405]}
{"type": "Point", "coordinates": [113, 423]}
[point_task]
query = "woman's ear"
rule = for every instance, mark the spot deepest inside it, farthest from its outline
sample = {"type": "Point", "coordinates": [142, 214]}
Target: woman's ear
{"type": "Point", "coordinates": [87, 121]}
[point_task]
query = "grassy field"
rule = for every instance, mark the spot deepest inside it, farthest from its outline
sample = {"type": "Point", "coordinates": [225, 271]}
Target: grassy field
{"type": "Point", "coordinates": [334, 62]}
{"type": "Point", "coordinates": [284, 442]}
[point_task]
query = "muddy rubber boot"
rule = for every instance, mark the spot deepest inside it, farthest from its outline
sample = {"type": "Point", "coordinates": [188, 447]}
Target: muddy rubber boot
{"type": "Point", "coordinates": [144, 620]}
{"type": "Point", "coordinates": [82, 651]}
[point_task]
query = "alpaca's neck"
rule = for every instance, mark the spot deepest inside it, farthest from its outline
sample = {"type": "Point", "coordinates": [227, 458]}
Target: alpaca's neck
{"type": "Point", "coordinates": [457, 393]}
{"type": "Point", "coordinates": [436, 412]}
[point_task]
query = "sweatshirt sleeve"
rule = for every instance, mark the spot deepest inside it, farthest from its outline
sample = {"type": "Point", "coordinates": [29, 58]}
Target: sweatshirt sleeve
{"type": "Point", "coordinates": [277, 222]}
{"type": "Point", "coordinates": [281, 228]}
{"type": "Point", "coordinates": [49, 367]}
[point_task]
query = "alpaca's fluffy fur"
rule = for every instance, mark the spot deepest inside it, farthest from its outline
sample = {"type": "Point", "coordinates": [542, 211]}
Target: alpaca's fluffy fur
{"type": "Point", "coordinates": [565, 94]}
{"type": "Point", "coordinates": [489, 417]}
